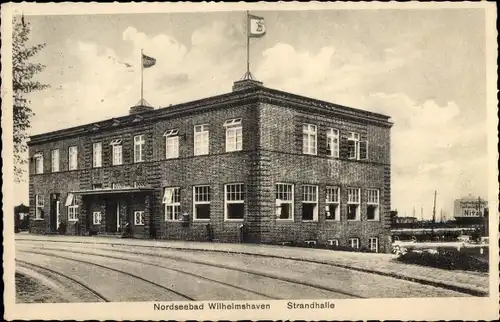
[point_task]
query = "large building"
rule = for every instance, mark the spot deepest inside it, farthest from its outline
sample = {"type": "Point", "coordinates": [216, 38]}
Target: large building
{"type": "Point", "coordinates": [256, 164]}
{"type": "Point", "coordinates": [470, 210]}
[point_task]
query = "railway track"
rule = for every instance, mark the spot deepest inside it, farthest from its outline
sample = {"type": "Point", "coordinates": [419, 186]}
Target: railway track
{"type": "Point", "coordinates": [82, 290]}
{"type": "Point", "coordinates": [220, 266]}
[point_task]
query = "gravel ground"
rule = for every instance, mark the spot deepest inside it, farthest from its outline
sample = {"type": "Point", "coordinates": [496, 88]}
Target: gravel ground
{"type": "Point", "coordinates": [29, 290]}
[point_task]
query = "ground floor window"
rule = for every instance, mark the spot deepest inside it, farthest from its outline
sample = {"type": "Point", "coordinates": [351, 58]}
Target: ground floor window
{"type": "Point", "coordinates": [309, 202]}
{"type": "Point", "coordinates": [284, 201]}
{"type": "Point", "coordinates": [39, 201]}
{"type": "Point", "coordinates": [201, 202]}
{"type": "Point", "coordinates": [354, 243]}
{"type": "Point", "coordinates": [332, 203]}
{"type": "Point", "coordinates": [172, 201]}
{"type": "Point", "coordinates": [138, 218]}
{"type": "Point", "coordinates": [235, 201]}
{"type": "Point", "coordinates": [333, 242]}
{"type": "Point", "coordinates": [97, 217]}
{"type": "Point", "coordinates": [373, 244]}
{"type": "Point", "coordinates": [72, 205]}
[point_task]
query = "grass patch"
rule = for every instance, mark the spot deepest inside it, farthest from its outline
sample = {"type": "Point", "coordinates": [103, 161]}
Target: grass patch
{"type": "Point", "coordinates": [445, 259]}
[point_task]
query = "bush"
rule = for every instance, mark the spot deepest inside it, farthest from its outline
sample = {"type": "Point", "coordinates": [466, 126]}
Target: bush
{"type": "Point", "coordinates": [62, 228]}
{"type": "Point", "coordinates": [445, 259]}
{"type": "Point", "coordinates": [327, 246]}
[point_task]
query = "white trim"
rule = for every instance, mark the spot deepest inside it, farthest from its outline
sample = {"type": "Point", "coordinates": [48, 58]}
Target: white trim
{"type": "Point", "coordinates": [201, 203]}
{"type": "Point", "coordinates": [331, 135]}
{"type": "Point", "coordinates": [116, 142]}
{"type": "Point", "coordinates": [117, 151]}
{"type": "Point", "coordinates": [97, 155]}
{"type": "Point", "coordinates": [73, 209]}
{"type": "Point", "coordinates": [285, 201]}
{"type": "Point", "coordinates": [141, 218]}
{"type": "Point", "coordinates": [172, 153]}
{"type": "Point", "coordinates": [38, 162]}
{"type": "Point", "coordinates": [332, 202]}
{"type": "Point", "coordinates": [201, 139]}
{"type": "Point", "coordinates": [139, 142]}
{"type": "Point", "coordinates": [370, 243]}
{"type": "Point", "coordinates": [311, 131]}
{"type": "Point", "coordinates": [352, 200]}
{"type": "Point", "coordinates": [171, 133]}
{"type": "Point", "coordinates": [168, 201]}
{"type": "Point", "coordinates": [233, 122]}
{"type": "Point", "coordinates": [353, 137]}
{"type": "Point", "coordinates": [354, 239]}
{"type": "Point", "coordinates": [306, 195]}
{"type": "Point", "coordinates": [96, 218]}
{"type": "Point", "coordinates": [234, 138]}
{"type": "Point", "coordinates": [239, 201]}
{"type": "Point", "coordinates": [73, 158]}
{"type": "Point", "coordinates": [39, 207]}
{"type": "Point", "coordinates": [333, 242]}
{"type": "Point", "coordinates": [54, 160]}
{"type": "Point", "coordinates": [373, 200]}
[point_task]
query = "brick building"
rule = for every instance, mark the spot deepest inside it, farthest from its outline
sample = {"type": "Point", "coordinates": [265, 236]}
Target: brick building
{"type": "Point", "coordinates": [283, 167]}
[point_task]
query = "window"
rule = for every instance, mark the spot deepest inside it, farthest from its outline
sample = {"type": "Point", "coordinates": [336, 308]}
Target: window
{"type": "Point", "coordinates": [309, 202]}
{"type": "Point", "coordinates": [139, 148]}
{"type": "Point", "coordinates": [353, 201]}
{"type": "Point", "coordinates": [309, 139]}
{"type": "Point", "coordinates": [172, 201]}
{"type": "Point", "coordinates": [201, 202]}
{"type": "Point", "coordinates": [373, 244]}
{"type": "Point", "coordinates": [97, 155]}
{"type": "Point", "coordinates": [55, 160]}
{"type": "Point", "coordinates": [171, 144]}
{"type": "Point", "coordinates": [201, 139]}
{"type": "Point", "coordinates": [234, 136]}
{"type": "Point", "coordinates": [333, 242]}
{"type": "Point", "coordinates": [38, 162]}
{"type": "Point", "coordinates": [357, 150]}
{"type": "Point", "coordinates": [332, 143]}
{"type": "Point", "coordinates": [116, 146]}
{"type": "Point", "coordinates": [73, 158]}
{"type": "Point", "coordinates": [354, 243]}
{"type": "Point", "coordinates": [72, 205]}
{"type": "Point", "coordinates": [353, 146]}
{"type": "Point", "coordinates": [234, 201]}
{"type": "Point", "coordinates": [140, 184]}
{"type": "Point", "coordinates": [96, 186]}
{"type": "Point", "coordinates": [39, 202]}
{"type": "Point", "coordinates": [96, 217]}
{"type": "Point", "coordinates": [332, 203]}
{"type": "Point", "coordinates": [372, 211]}
{"type": "Point", "coordinates": [139, 218]}
{"type": "Point", "coordinates": [284, 201]}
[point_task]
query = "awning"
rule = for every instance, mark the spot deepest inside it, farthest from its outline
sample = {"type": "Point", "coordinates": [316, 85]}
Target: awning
{"type": "Point", "coordinates": [113, 191]}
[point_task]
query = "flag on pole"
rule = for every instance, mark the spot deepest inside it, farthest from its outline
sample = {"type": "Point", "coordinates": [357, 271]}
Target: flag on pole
{"type": "Point", "coordinates": [148, 61]}
{"type": "Point", "coordinates": [256, 26]}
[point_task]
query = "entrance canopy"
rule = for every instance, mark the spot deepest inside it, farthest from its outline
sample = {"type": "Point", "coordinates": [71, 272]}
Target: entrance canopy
{"type": "Point", "coordinates": [125, 190]}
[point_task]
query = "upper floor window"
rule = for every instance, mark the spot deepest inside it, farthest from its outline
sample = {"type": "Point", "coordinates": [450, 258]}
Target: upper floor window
{"type": "Point", "coordinates": [38, 162]}
{"type": "Point", "coordinates": [234, 201]}
{"type": "Point", "coordinates": [309, 202]}
{"type": "Point", "coordinates": [55, 160]}
{"type": "Point", "coordinates": [73, 158]}
{"type": "Point", "coordinates": [39, 202]}
{"type": "Point", "coordinates": [139, 143]}
{"type": "Point", "coordinates": [171, 144]}
{"type": "Point", "coordinates": [332, 143]}
{"type": "Point", "coordinates": [284, 201]}
{"type": "Point", "coordinates": [372, 211]}
{"type": "Point", "coordinates": [332, 203]}
{"type": "Point", "coordinates": [353, 204]}
{"type": "Point", "coordinates": [116, 154]}
{"type": "Point", "coordinates": [201, 202]}
{"type": "Point", "coordinates": [234, 135]}
{"type": "Point", "coordinates": [309, 133]}
{"type": "Point", "coordinates": [356, 149]}
{"type": "Point", "coordinates": [97, 155]}
{"type": "Point", "coordinates": [172, 202]}
{"type": "Point", "coordinates": [201, 139]}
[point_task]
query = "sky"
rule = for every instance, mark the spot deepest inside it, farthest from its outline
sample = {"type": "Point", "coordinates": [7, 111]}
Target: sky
{"type": "Point", "coordinates": [424, 68]}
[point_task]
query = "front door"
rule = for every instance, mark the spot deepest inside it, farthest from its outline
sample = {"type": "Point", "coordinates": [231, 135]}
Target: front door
{"type": "Point", "coordinates": [53, 212]}
{"type": "Point", "coordinates": [111, 216]}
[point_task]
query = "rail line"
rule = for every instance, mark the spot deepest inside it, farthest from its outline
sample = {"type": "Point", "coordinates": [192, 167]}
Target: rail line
{"type": "Point", "coordinates": [228, 267]}
{"type": "Point", "coordinates": [111, 269]}
{"type": "Point", "coordinates": [41, 270]}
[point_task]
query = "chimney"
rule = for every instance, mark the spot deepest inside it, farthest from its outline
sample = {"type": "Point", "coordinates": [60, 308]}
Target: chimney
{"type": "Point", "coordinates": [141, 107]}
{"type": "Point", "coordinates": [245, 84]}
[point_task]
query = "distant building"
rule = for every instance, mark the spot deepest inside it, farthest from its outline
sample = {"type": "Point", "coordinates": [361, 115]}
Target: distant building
{"type": "Point", "coordinates": [470, 210]}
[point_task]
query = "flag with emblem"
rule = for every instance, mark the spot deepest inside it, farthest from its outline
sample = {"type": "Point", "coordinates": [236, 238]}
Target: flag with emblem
{"type": "Point", "coordinates": [148, 61]}
{"type": "Point", "coordinates": [256, 26]}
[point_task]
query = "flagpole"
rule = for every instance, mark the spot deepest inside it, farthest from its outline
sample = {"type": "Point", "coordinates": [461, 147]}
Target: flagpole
{"type": "Point", "coordinates": [248, 47]}
{"type": "Point", "coordinates": [142, 77]}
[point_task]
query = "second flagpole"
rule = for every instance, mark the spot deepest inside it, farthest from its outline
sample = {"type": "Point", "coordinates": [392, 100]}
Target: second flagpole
{"type": "Point", "coordinates": [248, 45]}
{"type": "Point", "coordinates": [142, 77]}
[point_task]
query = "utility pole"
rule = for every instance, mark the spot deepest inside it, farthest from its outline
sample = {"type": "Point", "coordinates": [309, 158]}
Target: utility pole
{"type": "Point", "coordinates": [433, 216]}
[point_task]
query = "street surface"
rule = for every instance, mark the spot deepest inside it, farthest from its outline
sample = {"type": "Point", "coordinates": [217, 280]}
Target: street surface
{"type": "Point", "coordinates": [88, 272]}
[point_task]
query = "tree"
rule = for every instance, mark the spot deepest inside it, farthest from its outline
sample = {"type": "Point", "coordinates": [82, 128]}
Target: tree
{"type": "Point", "coordinates": [23, 83]}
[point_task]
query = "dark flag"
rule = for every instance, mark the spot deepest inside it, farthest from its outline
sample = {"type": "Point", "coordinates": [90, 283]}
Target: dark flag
{"type": "Point", "coordinates": [148, 61]}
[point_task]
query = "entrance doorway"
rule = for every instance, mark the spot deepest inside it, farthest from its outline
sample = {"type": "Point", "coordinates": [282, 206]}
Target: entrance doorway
{"type": "Point", "coordinates": [54, 219]}
{"type": "Point", "coordinates": [113, 223]}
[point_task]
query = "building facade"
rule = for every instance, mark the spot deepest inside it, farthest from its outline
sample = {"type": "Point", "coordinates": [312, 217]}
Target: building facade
{"type": "Point", "coordinates": [256, 164]}
{"type": "Point", "coordinates": [470, 210]}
